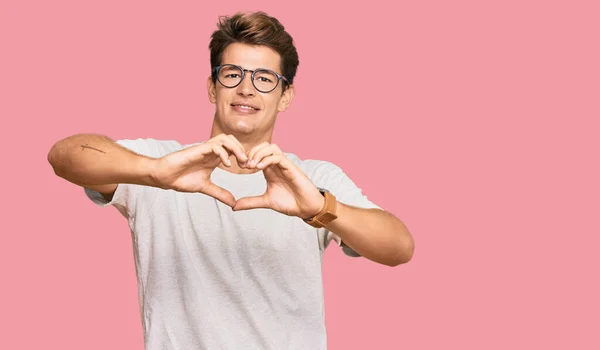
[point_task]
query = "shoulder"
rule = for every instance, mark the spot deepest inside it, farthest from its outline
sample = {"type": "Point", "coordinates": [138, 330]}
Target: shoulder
{"type": "Point", "coordinates": [314, 168]}
{"type": "Point", "coordinates": [326, 174]}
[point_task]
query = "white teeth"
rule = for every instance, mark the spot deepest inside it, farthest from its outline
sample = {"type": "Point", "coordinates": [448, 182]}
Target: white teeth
{"type": "Point", "coordinates": [245, 107]}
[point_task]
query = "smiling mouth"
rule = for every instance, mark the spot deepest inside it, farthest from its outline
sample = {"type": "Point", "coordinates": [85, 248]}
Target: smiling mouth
{"type": "Point", "coordinates": [245, 107]}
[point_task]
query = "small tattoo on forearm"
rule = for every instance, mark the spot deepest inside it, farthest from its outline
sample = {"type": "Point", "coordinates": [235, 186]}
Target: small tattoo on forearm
{"type": "Point", "coordinates": [90, 147]}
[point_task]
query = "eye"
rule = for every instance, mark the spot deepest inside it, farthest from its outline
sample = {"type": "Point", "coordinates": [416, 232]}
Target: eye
{"type": "Point", "coordinates": [265, 80]}
{"type": "Point", "coordinates": [232, 75]}
{"type": "Point", "coordinates": [265, 77]}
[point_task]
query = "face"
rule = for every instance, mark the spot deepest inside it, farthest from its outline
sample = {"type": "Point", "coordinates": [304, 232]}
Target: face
{"type": "Point", "coordinates": [243, 110]}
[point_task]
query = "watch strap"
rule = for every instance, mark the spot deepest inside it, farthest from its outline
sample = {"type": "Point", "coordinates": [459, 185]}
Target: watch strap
{"type": "Point", "coordinates": [327, 214]}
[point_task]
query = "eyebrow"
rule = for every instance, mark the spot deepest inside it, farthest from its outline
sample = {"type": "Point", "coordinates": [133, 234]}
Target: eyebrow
{"type": "Point", "coordinates": [272, 70]}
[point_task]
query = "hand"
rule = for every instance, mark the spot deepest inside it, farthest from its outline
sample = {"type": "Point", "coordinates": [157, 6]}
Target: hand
{"type": "Point", "coordinates": [289, 191]}
{"type": "Point", "coordinates": [189, 170]}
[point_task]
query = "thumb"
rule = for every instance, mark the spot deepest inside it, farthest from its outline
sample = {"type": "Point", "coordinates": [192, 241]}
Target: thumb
{"type": "Point", "coordinates": [251, 203]}
{"type": "Point", "coordinates": [220, 194]}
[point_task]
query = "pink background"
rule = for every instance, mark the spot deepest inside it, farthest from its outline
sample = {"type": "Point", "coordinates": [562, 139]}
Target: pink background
{"type": "Point", "coordinates": [480, 131]}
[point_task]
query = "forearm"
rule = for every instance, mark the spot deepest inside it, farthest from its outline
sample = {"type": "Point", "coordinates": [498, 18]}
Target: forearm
{"type": "Point", "coordinates": [374, 234]}
{"type": "Point", "coordinates": [88, 159]}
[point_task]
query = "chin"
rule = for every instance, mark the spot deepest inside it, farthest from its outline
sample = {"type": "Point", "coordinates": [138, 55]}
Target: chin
{"type": "Point", "coordinates": [242, 125]}
{"type": "Point", "coordinates": [243, 129]}
{"type": "Point", "coordinates": [234, 124]}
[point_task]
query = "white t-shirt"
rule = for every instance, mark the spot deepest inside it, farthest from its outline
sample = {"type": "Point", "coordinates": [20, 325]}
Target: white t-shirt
{"type": "Point", "coordinates": [212, 278]}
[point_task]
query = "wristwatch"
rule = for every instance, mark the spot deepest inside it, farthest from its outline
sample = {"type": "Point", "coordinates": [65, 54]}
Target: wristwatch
{"type": "Point", "coordinates": [327, 214]}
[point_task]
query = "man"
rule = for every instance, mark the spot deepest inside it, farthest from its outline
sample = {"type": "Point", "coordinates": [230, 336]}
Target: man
{"type": "Point", "coordinates": [229, 233]}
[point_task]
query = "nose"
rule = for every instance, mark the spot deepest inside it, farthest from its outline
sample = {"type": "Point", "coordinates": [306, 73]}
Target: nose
{"type": "Point", "coordinates": [246, 88]}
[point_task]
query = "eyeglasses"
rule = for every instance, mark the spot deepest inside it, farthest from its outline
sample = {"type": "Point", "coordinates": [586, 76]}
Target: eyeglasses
{"type": "Point", "coordinates": [264, 80]}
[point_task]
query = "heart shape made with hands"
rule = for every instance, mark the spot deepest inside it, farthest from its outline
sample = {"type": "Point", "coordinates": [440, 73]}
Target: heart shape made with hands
{"type": "Point", "coordinates": [289, 191]}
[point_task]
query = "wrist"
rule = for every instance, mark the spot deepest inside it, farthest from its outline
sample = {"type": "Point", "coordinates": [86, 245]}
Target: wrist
{"type": "Point", "coordinates": [328, 212]}
{"type": "Point", "coordinates": [146, 171]}
{"type": "Point", "coordinates": [316, 209]}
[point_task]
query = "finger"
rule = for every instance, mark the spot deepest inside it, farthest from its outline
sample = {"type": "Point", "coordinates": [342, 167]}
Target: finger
{"type": "Point", "coordinates": [220, 151]}
{"type": "Point", "coordinates": [256, 149]}
{"type": "Point", "coordinates": [198, 151]}
{"type": "Point", "coordinates": [238, 143]}
{"type": "Point", "coordinates": [251, 203]}
{"type": "Point", "coordinates": [234, 146]}
{"type": "Point", "coordinates": [270, 150]}
{"type": "Point", "coordinates": [276, 159]}
{"type": "Point", "coordinates": [220, 194]}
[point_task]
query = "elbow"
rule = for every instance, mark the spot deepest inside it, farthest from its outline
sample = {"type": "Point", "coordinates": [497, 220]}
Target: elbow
{"type": "Point", "coordinates": [54, 157]}
{"type": "Point", "coordinates": [404, 253]}
{"type": "Point", "coordinates": [405, 246]}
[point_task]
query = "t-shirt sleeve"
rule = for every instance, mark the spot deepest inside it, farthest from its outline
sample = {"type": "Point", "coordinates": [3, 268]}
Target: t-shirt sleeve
{"type": "Point", "coordinates": [125, 194]}
{"type": "Point", "coordinates": [332, 178]}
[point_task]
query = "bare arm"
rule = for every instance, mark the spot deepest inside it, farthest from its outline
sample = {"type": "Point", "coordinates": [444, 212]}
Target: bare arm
{"type": "Point", "coordinates": [374, 234]}
{"type": "Point", "coordinates": [99, 163]}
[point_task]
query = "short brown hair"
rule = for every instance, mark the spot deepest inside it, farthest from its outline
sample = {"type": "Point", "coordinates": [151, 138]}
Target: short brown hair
{"type": "Point", "coordinates": [256, 28]}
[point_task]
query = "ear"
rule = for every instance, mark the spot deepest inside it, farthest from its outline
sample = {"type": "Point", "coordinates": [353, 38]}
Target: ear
{"type": "Point", "coordinates": [286, 98]}
{"type": "Point", "coordinates": [212, 93]}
